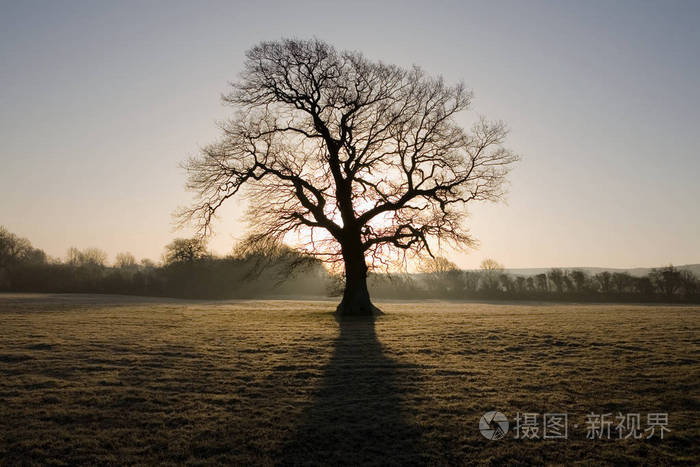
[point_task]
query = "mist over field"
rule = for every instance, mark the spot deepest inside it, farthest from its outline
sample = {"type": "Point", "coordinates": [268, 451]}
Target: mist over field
{"type": "Point", "coordinates": [189, 270]}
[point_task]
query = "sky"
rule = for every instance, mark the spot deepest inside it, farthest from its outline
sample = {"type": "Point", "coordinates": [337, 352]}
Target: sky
{"type": "Point", "coordinates": [101, 101]}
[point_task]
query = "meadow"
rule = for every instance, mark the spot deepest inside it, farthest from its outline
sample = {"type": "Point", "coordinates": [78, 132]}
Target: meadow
{"type": "Point", "coordinates": [89, 379]}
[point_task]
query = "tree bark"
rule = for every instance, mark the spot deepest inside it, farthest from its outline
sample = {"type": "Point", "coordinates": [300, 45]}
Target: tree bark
{"type": "Point", "coordinates": [356, 301]}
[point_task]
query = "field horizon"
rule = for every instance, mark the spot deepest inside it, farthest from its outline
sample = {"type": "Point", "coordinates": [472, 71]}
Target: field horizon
{"type": "Point", "coordinates": [89, 379]}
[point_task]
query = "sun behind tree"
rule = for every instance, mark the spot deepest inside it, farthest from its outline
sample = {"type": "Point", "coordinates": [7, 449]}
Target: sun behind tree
{"type": "Point", "coordinates": [362, 160]}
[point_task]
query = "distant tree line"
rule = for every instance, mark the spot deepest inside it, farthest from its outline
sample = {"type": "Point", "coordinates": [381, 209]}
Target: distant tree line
{"type": "Point", "coordinates": [258, 269]}
{"type": "Point", "coordinates": [441, 278]}
{"type": "Point", "coordinates": [187, 270]}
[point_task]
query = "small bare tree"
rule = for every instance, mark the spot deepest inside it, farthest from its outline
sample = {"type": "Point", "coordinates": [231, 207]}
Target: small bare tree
{"type": "Point", "coordinates": [125, 260]}
{"type": "Point", "coordinates": [185, 250]}
{"type": "Point", "coordinates": [363, 161]}
{"type": "Point", "coordinates": [491, 271]}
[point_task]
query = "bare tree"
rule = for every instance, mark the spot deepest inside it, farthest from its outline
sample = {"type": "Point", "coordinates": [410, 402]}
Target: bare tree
{"type": "Point", "coordinates": [185, 250]}
{"type": "Point", "coordinates": [15, 250]}
{"type": "Point", "coordinates": [580, 280]}
{"type": "Point", "coordinates": [125, 260]}
{"type": "Point", "coordinates": [490, 264]}
{"type": "Point", "coordinates": [556, 277]}
{"type": "Point", "coordinates": [667, 279]}
{"type": "Point", "coordinates": [357, 162]}
{"type": "Point", "coordinates": [89, 257]}
{"type": "Point", "coordinates": [442, 275]}
{"type": "Point", "coordinates": [604, 280]}
{"type": "Point", "coordinates": [491, 270]}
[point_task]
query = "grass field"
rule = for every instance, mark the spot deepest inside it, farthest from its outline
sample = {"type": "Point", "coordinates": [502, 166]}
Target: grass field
{"type": "Point", "coordinates": [106, 380]}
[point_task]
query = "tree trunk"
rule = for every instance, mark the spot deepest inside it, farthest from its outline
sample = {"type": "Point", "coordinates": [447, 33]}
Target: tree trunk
{"type": "Point", "coordinates": [356, 300]}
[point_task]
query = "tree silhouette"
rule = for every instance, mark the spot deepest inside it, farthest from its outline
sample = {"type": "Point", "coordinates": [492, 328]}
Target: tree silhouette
{"type": "Point", "coordinates": [363, 162]}
{"type": "Point", "coordinates": [185, 250]}
{"type": "Point", "coordinates": [442, 275]}
{"type": "Point", "coordinates": [125, 260]}
{"type": "Point", "coordinates": [490, 272]}
{"type": "Point", "coordinates": [668, 280]}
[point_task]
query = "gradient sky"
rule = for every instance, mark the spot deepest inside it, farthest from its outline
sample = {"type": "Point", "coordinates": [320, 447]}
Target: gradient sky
{"type": "Point", "coordinates": [100, 101]}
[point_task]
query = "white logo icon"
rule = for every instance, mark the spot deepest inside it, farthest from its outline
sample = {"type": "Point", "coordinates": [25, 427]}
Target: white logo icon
{"type": "Point", "coordinates": [493, 425]}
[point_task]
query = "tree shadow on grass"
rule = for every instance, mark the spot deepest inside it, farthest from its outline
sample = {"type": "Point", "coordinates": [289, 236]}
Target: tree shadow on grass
{"type": "Point", "coordinates": [356, 417]}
